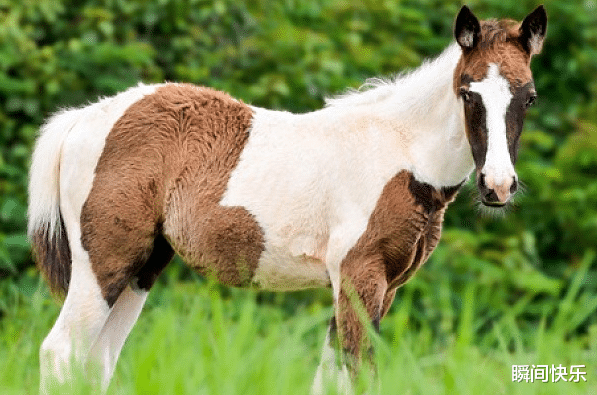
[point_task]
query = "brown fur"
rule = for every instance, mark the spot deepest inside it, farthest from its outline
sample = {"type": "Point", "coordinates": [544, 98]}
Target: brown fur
{"type": "Point", "coordinates": [403, 230]}
{"type": "Point", "coordinates": [499, 43]}
{"type": "Point", "coordinates": [163, 170]}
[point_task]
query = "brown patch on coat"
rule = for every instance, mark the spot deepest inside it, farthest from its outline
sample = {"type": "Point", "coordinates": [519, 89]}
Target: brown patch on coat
{"type": "Point", "coordinates": [515, 115]}
{"type": "Point", "coordinates": [163, 170]}
{"type": "Point", "coordinates": [499, 43]}
{"type": "Point", "coordinates": [387, 301]}
{"type": "Point", "coordinates": [52, 256]}
{"type": "Point", "coordinates": [402, 232]}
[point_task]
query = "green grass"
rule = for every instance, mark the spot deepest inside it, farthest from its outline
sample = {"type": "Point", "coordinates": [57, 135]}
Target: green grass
{"type": "Point", "coordinates": [197, 338]}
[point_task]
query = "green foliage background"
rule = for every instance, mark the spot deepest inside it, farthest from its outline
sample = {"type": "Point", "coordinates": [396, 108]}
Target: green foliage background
{"type": "Point", "coordinates": [289, 54]}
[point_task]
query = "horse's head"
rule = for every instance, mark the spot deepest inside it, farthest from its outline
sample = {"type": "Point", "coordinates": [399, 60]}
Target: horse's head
{"type": "Point", "coordinates": [494, 81]}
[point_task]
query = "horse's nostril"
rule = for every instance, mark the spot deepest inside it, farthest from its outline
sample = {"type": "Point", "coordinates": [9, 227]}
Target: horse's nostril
{"type": "Point", "coordinates": [482, 184]}
{"type": "Point", "coordinates": [514, 186]}
{"type": "Point", "coordinates": [491, 196]}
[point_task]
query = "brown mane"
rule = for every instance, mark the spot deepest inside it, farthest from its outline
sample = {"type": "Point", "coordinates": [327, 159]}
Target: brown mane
{"type": "Point", "coordinates": [495, 31]}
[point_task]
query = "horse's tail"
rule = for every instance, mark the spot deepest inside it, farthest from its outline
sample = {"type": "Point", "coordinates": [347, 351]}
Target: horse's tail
{"type": "Point", "coordinates": [46, 229]}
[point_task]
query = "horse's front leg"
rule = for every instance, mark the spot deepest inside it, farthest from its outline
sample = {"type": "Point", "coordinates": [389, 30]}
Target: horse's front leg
{"type": "Point", "coordinates": [329, 372]}
{"type": "Point", "coordinates": [363, 299]}
{"type": "Point", "coordinates": [361, 302]}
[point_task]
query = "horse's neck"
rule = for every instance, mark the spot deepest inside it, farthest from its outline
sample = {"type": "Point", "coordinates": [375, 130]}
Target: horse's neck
{"type": "Point", "coordinates": [421, 119]}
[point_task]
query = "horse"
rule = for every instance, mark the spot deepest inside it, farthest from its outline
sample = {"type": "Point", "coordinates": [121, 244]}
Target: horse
{"type": "Point", "coordinates": [351, 196]}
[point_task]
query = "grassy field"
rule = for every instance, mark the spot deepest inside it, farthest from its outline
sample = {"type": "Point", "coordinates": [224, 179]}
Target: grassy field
{"type": "Point", "coordinates": [197, 338]}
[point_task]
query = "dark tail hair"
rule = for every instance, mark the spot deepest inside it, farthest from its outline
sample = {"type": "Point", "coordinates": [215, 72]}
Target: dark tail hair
{"type": "Point", "coordinates": [53, 257]}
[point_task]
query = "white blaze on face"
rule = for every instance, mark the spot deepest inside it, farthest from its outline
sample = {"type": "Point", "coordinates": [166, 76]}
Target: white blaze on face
{"type": "Point", "coordinates": [495, 94]}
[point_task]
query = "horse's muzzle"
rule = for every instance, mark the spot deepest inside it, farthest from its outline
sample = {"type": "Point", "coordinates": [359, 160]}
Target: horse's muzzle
{"type": "Point", "coordinates": [495, 194]}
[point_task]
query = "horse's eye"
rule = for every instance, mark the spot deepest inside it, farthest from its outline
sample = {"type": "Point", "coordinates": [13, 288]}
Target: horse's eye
{"type": "Point", "coordinates": [464, 93]}
{"type": "Point", "coordinates": [531, 100]}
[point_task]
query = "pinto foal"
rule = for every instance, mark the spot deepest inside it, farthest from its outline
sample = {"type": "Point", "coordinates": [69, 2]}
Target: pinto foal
{"type": "Point", "coordinates": [350, 197]}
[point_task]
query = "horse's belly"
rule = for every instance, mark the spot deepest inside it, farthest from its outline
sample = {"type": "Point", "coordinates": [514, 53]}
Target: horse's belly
{"type": "Point", "coordinates": [278, 270]}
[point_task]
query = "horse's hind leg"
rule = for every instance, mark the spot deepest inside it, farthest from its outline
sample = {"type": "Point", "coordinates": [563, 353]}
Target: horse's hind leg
{"type": "Point", "coordinates": [113, 245]}
{"type": "Point", "coordinates": [107, 347]}
{"type": "Point", "coordinates": [127, 252]}
{"type": "Point", "coordinates": [81, 319]}
{"type": "Point", "coordinates": [126, 310]}
{"type": "Point", "coordinates": [85, 309]}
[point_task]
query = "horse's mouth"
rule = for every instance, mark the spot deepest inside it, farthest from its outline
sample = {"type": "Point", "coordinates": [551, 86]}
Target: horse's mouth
{"type": "Point", "coordinates": [493, 204]}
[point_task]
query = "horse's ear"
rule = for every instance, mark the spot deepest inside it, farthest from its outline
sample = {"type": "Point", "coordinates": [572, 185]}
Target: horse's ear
{"type": "Point", "coordinates": [467, 29]}
{"type": "Point", "coordinates": [532, 31]}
